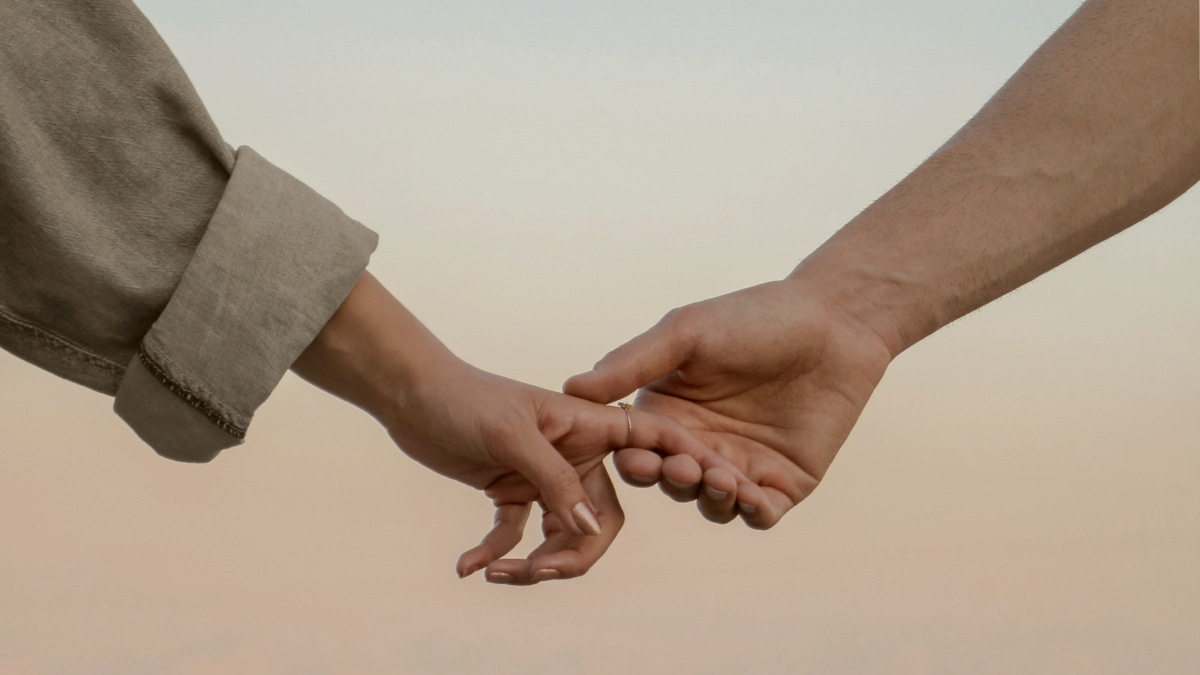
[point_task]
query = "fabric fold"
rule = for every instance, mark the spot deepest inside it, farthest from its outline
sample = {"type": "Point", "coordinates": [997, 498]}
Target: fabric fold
{"type": "Point", "coordinates": [275, 262]}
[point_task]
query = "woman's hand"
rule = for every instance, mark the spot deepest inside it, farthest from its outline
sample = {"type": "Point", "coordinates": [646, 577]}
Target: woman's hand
{"type": "Point", "coordinates": [522, 444]}
{"type": "Point", "coordinates": [518, 443]}
{"type": "Point", "coordinates": [562, 553]}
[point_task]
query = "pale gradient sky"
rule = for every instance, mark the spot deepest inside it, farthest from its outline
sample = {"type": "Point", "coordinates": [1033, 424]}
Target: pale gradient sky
{"type": "Point", "coordinates": [548, 179]}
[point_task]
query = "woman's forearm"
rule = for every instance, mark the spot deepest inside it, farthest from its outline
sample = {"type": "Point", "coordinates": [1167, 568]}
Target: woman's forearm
{"type": "Point", "coordinates": [373, 352]}
{"type": "Point", "coordinates": [1099, 129]}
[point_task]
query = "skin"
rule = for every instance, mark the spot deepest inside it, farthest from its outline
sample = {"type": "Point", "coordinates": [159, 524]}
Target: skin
{"type": "Point", "coordinates": [1097, 130]}
{"type": "Point", "coordinates": [518, 443]}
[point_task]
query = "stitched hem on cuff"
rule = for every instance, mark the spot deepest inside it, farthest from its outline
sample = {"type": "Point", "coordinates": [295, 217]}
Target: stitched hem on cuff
{"type": "Point", "coordinates": [188, 397]}
{"type": "Point", "coordinates": [58, 355]}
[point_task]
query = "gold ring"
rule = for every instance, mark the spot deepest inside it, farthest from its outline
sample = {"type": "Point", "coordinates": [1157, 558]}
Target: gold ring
{"type": "Point", "coordinates": [628, 422]}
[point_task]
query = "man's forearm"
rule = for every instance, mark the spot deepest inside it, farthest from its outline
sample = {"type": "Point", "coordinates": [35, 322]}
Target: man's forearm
{"type": "Point", "coordinates": [1099, 129]}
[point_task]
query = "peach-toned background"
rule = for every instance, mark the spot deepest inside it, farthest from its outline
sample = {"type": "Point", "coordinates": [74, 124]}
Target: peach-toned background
{"type": "Point", "coordinates": [548, 178]}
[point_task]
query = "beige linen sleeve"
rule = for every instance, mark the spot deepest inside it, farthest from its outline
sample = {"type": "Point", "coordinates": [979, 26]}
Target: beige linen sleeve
{"type": "Point", "coordinates": [140, 254]}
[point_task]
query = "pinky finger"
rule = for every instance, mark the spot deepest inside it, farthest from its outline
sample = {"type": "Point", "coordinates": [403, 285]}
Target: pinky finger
{"type": "Point", "coordinates": [761, 508]}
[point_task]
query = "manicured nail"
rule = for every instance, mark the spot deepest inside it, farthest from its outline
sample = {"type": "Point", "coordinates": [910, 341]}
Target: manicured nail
{"type": "Point", "coordinates": [748, 509]}
{"type": "Point", "coordinates": [680, 486]}
{"type": "Point", "coordinates": [715, 494]}
{"type": "Point", "coordinates": [500, 577]}
{"type": "Point", "coordinates": [547, 575]}
{"type": "Point", "coordinates": [585, 518]}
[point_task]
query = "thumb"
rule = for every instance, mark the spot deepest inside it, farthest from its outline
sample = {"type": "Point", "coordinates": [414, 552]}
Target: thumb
{"type": "Point", "coordinates": [556, 481]}
{"type": "Point", "coordinates": [633, 365]}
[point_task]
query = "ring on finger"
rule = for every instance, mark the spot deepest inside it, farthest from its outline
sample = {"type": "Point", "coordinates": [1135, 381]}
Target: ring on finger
{"type": "Point", "coordinates": [628, 422]}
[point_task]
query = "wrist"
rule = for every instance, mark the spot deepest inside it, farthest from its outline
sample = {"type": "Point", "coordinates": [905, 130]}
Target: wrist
{"type": "Point", "coordinates": [374, 353]}
{"type": "Point", "coordinates": [902, 267]}
{"type": "Point", "coordinates": [873, 295]}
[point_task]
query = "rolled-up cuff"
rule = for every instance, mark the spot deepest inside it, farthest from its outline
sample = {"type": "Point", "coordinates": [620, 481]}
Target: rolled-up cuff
{"type": "Point", "coordinates": [275, 263]}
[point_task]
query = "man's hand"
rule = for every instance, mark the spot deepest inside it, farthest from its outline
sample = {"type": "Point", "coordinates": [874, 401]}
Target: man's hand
{"type": "Point", "coordinates": [1099, 128]}
{"type": "Point", "coordinates": [773, 377]}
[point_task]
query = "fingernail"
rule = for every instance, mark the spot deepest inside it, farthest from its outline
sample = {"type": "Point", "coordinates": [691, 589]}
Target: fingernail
{"type": "Point", "coordinates": [547, 575]}
{"type": "Point", "coordinates": [680, 486]}
{"type": "Point", "coordinates": [500, 577]}
{"type": "Point", "coordinates": [585, 518]}
{"type": "Point", "coordinates": [468, 572]}
{"type": "Point", "coordinates": [747, 508]}
{"type": "Point", "coordinates": [643, 480]}
{"type": "Point", "coordinates": [715, 494]}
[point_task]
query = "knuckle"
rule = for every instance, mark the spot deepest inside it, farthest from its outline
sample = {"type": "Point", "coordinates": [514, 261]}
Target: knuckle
{"type": "Point", "coordinates": [607, 358]}
{"type": "Point", "coordinates": [685, 314]}
{"type": "Point", "coordinates": [671, 316]}
{"type": "Point", "coordinates": [679, 321]}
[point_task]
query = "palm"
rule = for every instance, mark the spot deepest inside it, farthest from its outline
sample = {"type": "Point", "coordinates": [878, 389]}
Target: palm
{"type": "Point", "coordinates": [782, 436]}
{"type": "Point", "coordinates": [772, 382]}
